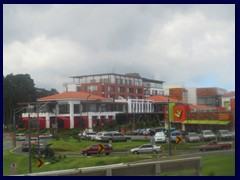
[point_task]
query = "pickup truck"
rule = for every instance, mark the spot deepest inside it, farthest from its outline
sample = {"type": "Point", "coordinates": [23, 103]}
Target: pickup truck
{"type": "Point", "coordinates": [214, 145]}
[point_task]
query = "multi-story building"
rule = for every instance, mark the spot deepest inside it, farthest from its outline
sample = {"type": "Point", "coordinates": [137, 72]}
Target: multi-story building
{"type": "Point", "coordinates": [210, 96]}
{"type": "Point", "coordinates": [180, 94]}
{"type": "Point", "coordinates": [113, 86]}
{"type": "Point", "coordinates": [228, 99]}
{"type": "Point", "coordinates": [192, 96]}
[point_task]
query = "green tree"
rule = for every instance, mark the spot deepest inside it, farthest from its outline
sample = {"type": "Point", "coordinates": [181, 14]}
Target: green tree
{"type": "Point", "coordinates": [17, 89]}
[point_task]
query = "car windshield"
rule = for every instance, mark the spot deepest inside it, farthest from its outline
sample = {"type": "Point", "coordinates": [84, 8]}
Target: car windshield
{"type": "Point", "coordinates": [91, 133]}
{"type": "Point", "coordinates": [226, 132]}
{"type": "Point", "coordinates": [192, 134]}
{"type": "Point", "coordinates": [160, 134]}
{"type": "Point", "coordinates": [208, 133]}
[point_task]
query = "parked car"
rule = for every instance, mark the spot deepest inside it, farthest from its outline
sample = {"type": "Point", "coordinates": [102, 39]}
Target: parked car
{"type": "Point", "coordinates": [192, 137]}
{"type": "Point", "coordinates": [160, 137]}
{"type": "Point", "coordinates": [136, 131]}
{"type": "Point", "coordinates": [45, 136]}
{"type": "Point", "coordinates": [214, 145]}
{"type": "Point", "coordinates": [25, 146]}
{"type": "Point", "coordinates": [95, 149]}
{"type": "Point", "coordinates": [174, 135]}
{"type": "Point", "coordinates": [166, 131]}
{"type": "Point", "coordinates": [98, 136]}
{"type": "Point", "coordinates": [224, 135]}
{"type": "Point", "coordinates": [146, 148]}
{"type": "Point", "coordinates": [20, 137]}
{"type": "Point", "coordinates": [207, 135]}
{"type": "Point", "coordinates": [89, 135]}
{"type": "Point", "coordinates": [113, 137]}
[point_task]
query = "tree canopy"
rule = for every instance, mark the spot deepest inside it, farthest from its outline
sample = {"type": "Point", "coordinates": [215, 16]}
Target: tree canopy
{"type": "Point", "coordinates": [20, 88]}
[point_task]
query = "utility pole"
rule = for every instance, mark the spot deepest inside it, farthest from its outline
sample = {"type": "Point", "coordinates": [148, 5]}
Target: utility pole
{"type": "Point", "coordinates": [29, 144]}
{"type": "Point", "coordinates": [29, 137]}
{"type": "Point", "coordinates": [169, 135]}
{"type": "Point", "coordinates": [14, 128]}
{"type": "Point", "coordinates": [38, 149]}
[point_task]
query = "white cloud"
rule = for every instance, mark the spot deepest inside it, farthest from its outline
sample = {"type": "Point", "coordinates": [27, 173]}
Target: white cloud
{"type": "Point", "coordinates": [185, 44]}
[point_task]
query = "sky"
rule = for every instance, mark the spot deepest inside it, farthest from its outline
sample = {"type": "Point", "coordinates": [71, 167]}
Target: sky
{"type": "Point", "coordinates": [188, 45]}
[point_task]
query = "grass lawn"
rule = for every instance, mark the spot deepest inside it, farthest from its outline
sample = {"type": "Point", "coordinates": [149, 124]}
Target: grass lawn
{"type": "Point", "coordinates": [212, 165]}
{"type": "Point", "coordinates": [73, 146]}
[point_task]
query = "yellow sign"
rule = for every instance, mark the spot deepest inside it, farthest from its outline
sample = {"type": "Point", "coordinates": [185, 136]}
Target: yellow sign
{"type": "Point", "coordinates": [40, 162]}
{"type": "Point", "coordinates": [100, 147]}
{"type": "Point", "coordinates": [178, 140]}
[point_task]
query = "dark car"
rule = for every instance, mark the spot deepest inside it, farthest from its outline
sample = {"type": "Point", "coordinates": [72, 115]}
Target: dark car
{"type": "Point", "coordinates": [104, 149]}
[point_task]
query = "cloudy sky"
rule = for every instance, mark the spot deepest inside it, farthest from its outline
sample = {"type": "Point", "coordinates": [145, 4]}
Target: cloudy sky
{"type": "Point", "coordinates": [189, 45]}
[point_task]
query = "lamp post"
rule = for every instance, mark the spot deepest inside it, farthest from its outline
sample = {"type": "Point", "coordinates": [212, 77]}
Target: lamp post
{"type": "Point", "coordinates": [88, 107]}
{"type": "Point", "coordinates": [15, 111]}
{"type": "Point", "coordinates": [169, 140]}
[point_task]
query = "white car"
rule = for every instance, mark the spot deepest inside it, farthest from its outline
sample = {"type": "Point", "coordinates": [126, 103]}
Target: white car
{"type": "Point", "coordinates": [45, 136]}
{"type": "Point", "coordinates": [20, 137]}
{"type": "Point", "coordinates": [160, 137]}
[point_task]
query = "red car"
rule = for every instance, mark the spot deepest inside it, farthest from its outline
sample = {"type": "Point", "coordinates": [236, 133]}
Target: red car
{"type": "Point", "coordinates": [104, 149]}
{"type": "Point", "coordinates": [214, 145]}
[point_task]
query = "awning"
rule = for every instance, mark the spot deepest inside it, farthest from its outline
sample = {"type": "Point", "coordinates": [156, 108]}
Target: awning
{"type": "Point", "coordinates": [215, 122]}
{"type": "Point", "coordinates": [223, 122]}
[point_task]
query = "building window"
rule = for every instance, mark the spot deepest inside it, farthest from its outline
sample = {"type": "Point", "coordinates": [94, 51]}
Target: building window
{"type": "Point", "coordinates": [111, 89]}
{"type": "Point", "coordinates": [63, 108]}
{"type": "Point", "coordinates": [139, 91]}
{"type": "Point", "coordinates": [76, 108]}
{"type": "Point", "coordinates": [79, 88]}
{"type": "Point", "coordinates": [130, 90]}
{"type": "Point", "coordinates": [91, 88]}
{"type": "Point", "coordinates": [121, 89]}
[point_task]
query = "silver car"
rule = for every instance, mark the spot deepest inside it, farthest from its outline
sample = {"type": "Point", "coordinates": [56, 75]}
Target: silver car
{"type": "Point", "coordinates": [224, 135]}
{"type": "Point", "coordinates": [146, 148]}
{"type": "Point", "coordinates": [192, 137]}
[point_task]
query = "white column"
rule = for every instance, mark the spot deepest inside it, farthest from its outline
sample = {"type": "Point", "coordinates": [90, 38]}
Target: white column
{"type": "Point", "coordinates": [183, 127]}
{"type": "Point", "coordinates": [47, 121]}
{"type": "Point", "coordinates": [89, 120]}
{"type": "Point", "coordinates": [71, 107]}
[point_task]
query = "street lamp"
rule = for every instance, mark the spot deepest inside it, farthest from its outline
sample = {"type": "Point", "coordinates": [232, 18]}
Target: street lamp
{"type": "Point", "coordinates": [88, 106]}
{"type": "Point", "coordinates": [15, 111]}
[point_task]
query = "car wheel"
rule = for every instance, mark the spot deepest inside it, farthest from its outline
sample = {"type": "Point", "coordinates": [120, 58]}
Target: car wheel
{"type": "Point", "coordinates": [135, 152]}
{"type": "Point", "coordinates": [110, 141]}
{"type": "Point", "coordinates": [85, 154]}
{"type": "Point", "coordinates": [129, 140]}
{"type": "Point", "coordinates": [154, 152]}
{"type": "Point", "coordinates": [104, 154]}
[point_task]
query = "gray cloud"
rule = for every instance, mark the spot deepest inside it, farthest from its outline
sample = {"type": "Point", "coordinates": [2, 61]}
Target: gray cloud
{"type": "Point", "coordinates": [192, 45]}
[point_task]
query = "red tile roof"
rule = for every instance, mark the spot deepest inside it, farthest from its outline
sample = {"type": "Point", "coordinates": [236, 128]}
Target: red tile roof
{"type": "Point", "coordinates": [230, 94]}
{"type": "Point", "coordinates": [191, 106]}
{"type": "Point", "coordinates": [72, 95]}
{"type": "Point", "coordinates": [159, 98]}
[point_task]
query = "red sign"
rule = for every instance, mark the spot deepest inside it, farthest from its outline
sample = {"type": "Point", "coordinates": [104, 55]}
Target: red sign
{"type": "Point", "coordinates": [179, 112]}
